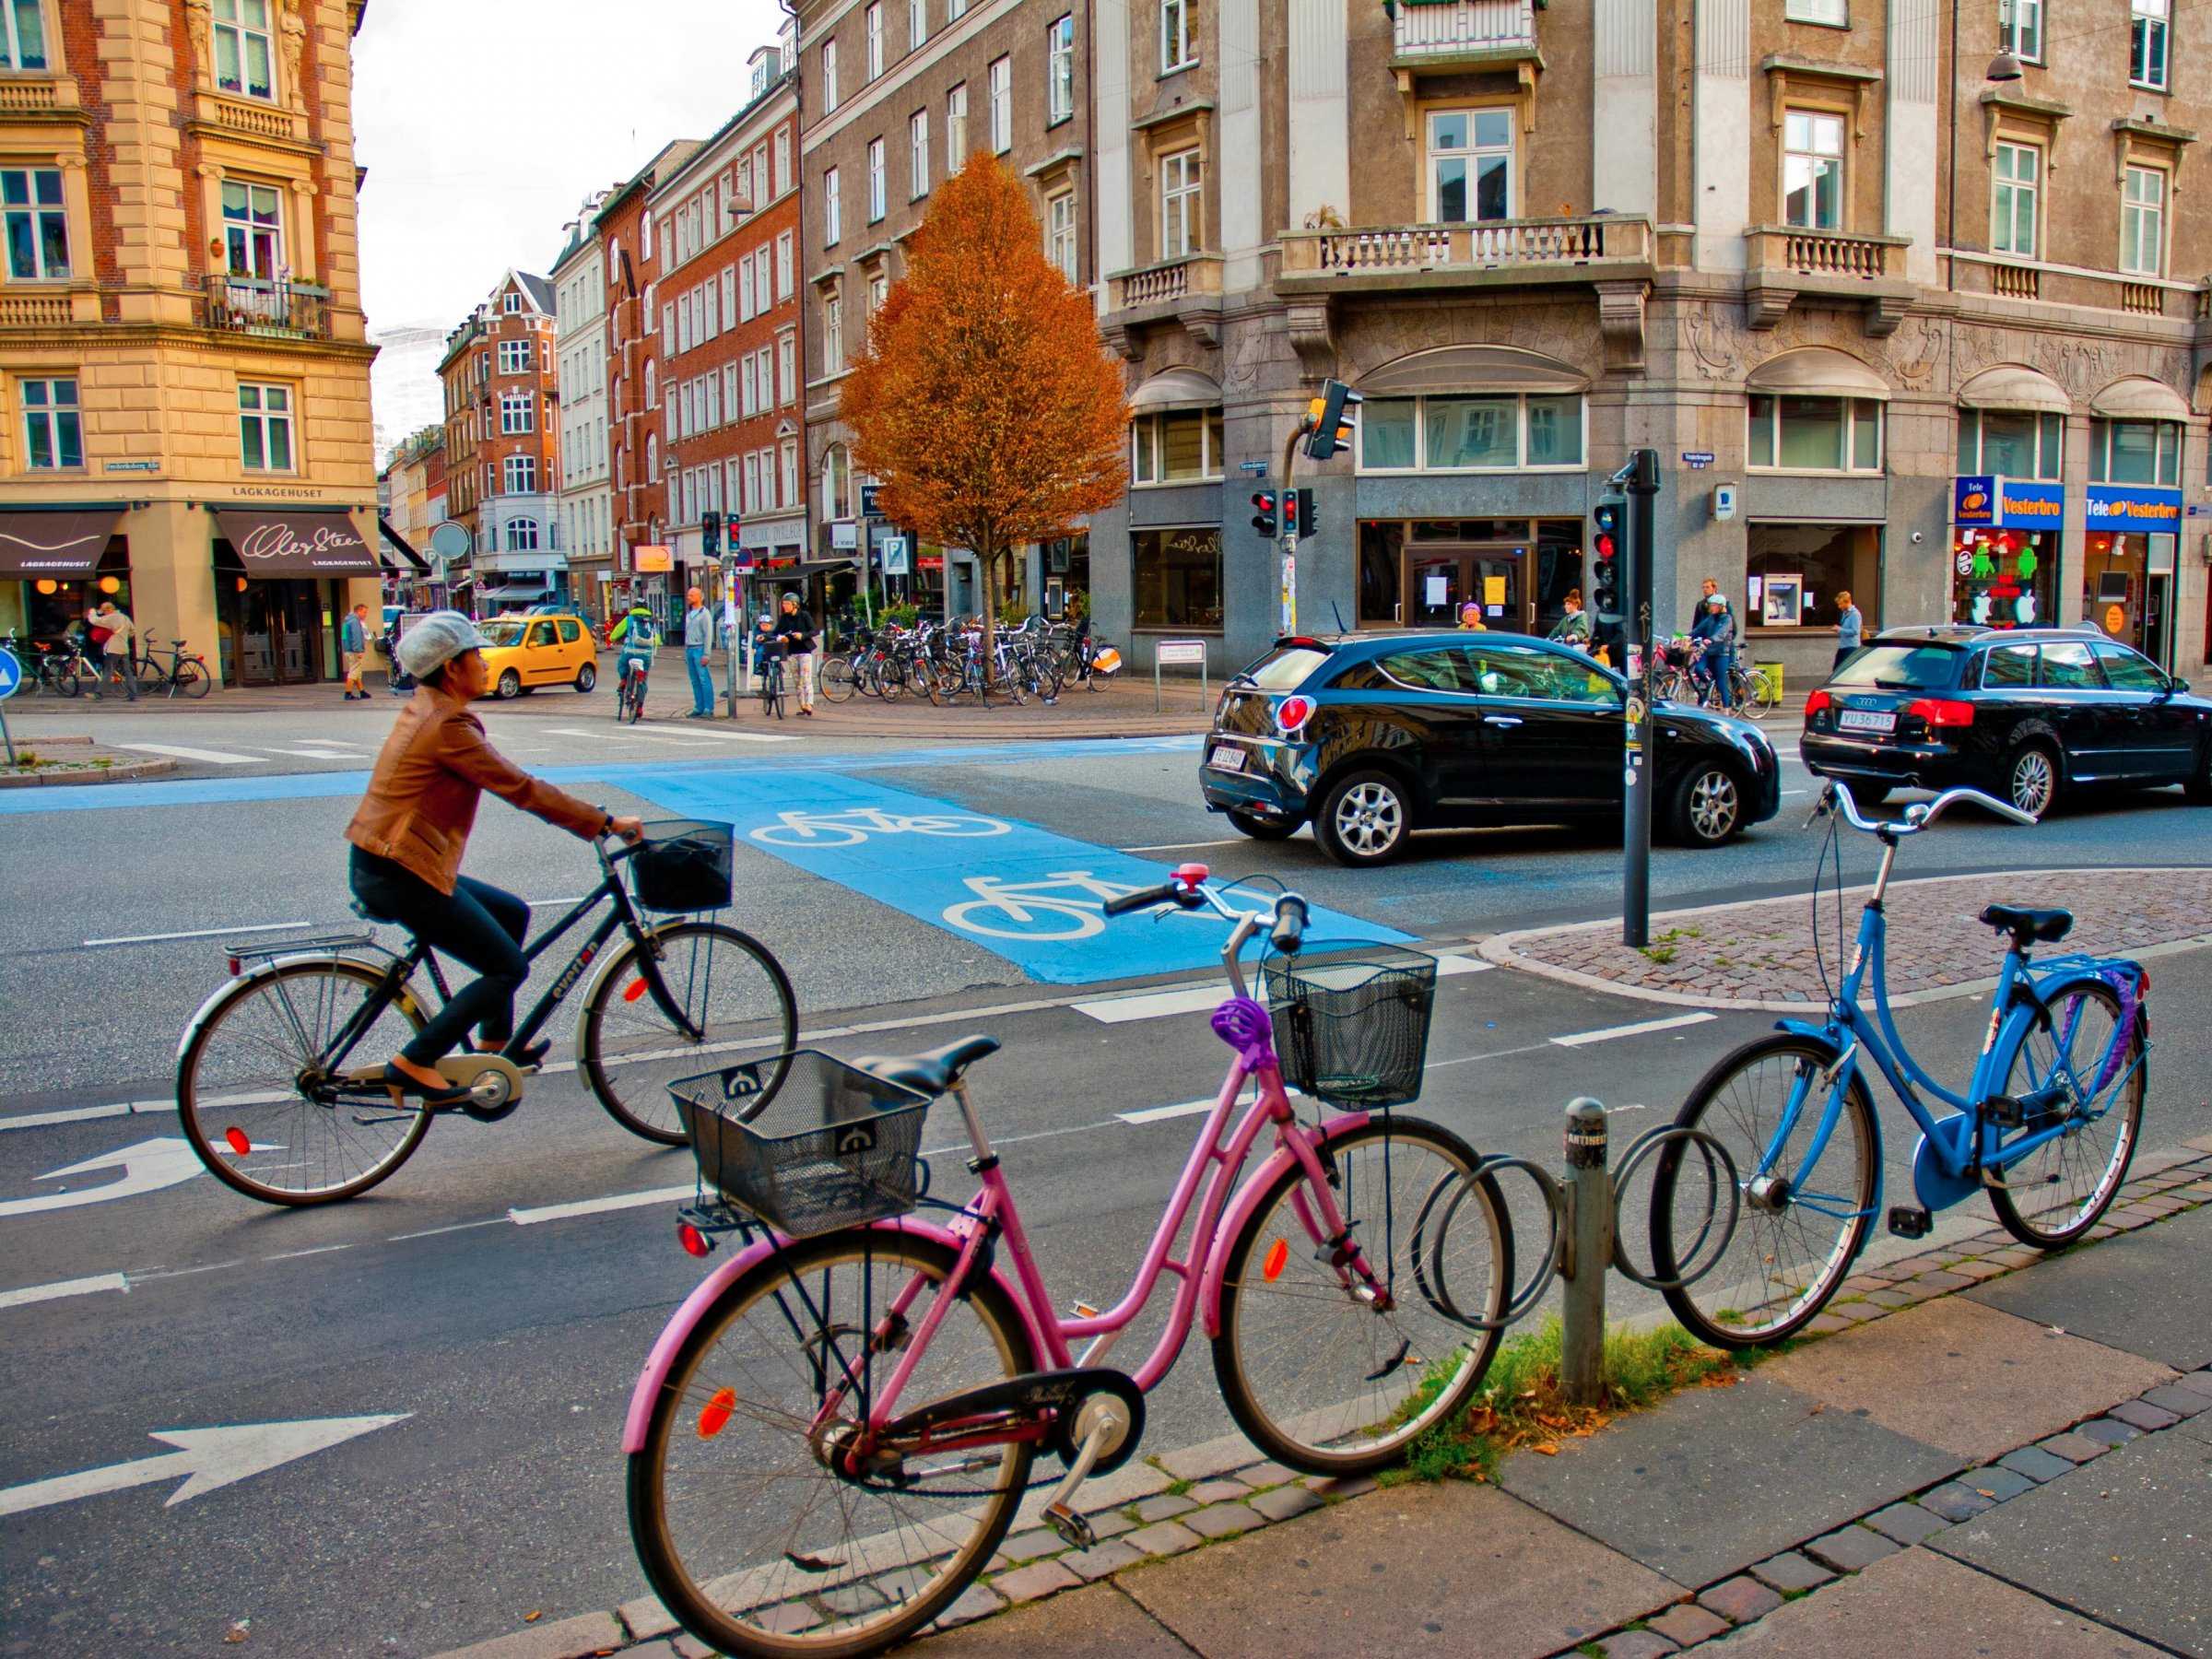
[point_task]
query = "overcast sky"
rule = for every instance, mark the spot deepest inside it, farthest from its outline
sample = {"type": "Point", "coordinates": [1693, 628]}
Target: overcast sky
{"type": "Point", "coordinates": [483, 124]}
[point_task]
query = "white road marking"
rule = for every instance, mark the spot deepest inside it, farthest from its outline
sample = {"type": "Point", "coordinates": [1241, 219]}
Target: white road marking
{"type": "Point", "coordinates": [1178, 846]}
{"type": "Point", "coordinates": [1157, 1114]}
{"type": "Point", "coordinates": [290, 1255]}
{"type": "Point", "coordinates": [740, 736]}
{"type": "Point", "coordinates": [197, 932]}
{"type": "Point", "coordinates": [147, 1166]}
{"type": "Point", "coordinates": [1203, 996]}
{"type": "Point", "coordinates": [321, 754]}
{"type": "Point", "coordinates": [74, 1114]}
{"type": "Point", "coordinates": [633, 733]}
{"type": "Point", "coordinates": [77, 1287]}
{"type": "Point", "coordinates": [1582, 1039]}
{"type": "Point", "coordinates": [599, 1206]}
{"type": "Point", "coordinates": [177, 751]}
{"type": "Point", "coordinates": [208, 1458]}
{"type": "Point", "coordinates": [431, 1232]}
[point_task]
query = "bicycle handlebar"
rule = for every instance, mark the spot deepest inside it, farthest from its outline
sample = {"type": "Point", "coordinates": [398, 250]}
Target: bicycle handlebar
{"type": "Point", "coordinates": [1919, 813]}
{"type": "Point", "coordinates": [1285, 921]}
{"type": "Point", "coordinates": [1167, 892]}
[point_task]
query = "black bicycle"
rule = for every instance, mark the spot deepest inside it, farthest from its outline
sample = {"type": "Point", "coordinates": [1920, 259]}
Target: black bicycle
{"type": "Point", "coordinates": [186, 671]}
{"type": "Point", "coordinates": [772, 683]}
{"type": "Point", "coordinates": [279, 1075]}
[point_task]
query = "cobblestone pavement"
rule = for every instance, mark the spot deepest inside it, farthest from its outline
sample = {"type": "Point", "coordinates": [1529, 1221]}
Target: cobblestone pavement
{"type": "Point", "coordinates": [1761, 954]}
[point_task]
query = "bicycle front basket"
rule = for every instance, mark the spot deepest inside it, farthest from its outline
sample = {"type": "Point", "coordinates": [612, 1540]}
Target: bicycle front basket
{"type": "Point", "coordinates": [833, 1147]}
{"type": "Point", "coordinates": [1351, 1020]}
{"type": "Point", "coordinates": [683, 865]}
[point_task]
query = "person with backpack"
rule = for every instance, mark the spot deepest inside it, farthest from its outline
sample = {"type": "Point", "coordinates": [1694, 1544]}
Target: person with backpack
{"type": "Point", "coordinates": [636, 636]}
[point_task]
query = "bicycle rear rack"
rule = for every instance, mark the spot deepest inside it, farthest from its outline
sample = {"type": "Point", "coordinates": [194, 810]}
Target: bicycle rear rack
{"type": "Point", "coordinates": [310, 944]}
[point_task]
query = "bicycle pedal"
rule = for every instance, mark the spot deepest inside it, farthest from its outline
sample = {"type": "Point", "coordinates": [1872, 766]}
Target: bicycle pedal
{"type": "Point", "coordinates": [1074, 1530]}
{"type": "Point", "coordinates": [1908, 1223]}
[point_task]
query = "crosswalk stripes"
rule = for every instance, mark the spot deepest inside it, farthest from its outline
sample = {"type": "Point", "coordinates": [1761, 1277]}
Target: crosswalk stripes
{"type": "Point", "coordinates": [177, 751]}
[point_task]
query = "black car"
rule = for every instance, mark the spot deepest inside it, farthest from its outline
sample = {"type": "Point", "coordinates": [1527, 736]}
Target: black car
{"type": "Point", "coordinates": [1371, 736]}
{"type": "Point", "coordinates": [2024, 714]}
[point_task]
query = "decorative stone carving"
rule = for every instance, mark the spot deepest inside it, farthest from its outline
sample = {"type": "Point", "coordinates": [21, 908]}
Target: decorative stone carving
{"type": "Point", "coordinates": [292, 43]}
{"type": "Point", "coordinates": [1249, 356]}
{"type": "Point", "coordinates": [200, 24]}
{"type": "Point", "coordinates": [1203, 323]}
{"type": "Point", "coordinates": [1765, 306]}
{"type": "Point", "coordinates": [1886, 314]}
{"type": "Point", "coordinates": [1313, 338]}
{"type": "Point", "coordinates": [1620, 321]}
{"type": "Point", "coordinates": [1716, 343]}
{"type": "Point", "coordinates": [1915, 351]}
{"type": "Point", "coordinates": [1123, 339]}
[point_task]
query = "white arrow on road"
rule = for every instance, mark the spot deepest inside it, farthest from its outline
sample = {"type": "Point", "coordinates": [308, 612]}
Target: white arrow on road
{"type": "Point", "coordinates": [147, 1166]}
{"type": "Point", "coordinates": [208, 1458]}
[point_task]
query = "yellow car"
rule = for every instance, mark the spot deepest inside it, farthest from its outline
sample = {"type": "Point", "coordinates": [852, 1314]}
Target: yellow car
{"type": "Point", "coordinates": [525, 652]}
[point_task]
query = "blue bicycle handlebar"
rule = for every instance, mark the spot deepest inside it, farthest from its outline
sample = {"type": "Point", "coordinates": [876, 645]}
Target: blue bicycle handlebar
{"type": "Point", "coordinates": [1919, 813]}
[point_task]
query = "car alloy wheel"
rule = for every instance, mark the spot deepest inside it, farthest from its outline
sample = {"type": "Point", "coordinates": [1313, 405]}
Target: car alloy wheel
{"type": "Point", "coordinates": [511, 684]}
{"type": "Point", "coordinates": [1716, 806]}
{"type": "Point", "coordinates": [1369, 819]}
{"type": "Point", "coordinates": [2032, 782]}
{"type": "Point", "coordinates": [586, 677]}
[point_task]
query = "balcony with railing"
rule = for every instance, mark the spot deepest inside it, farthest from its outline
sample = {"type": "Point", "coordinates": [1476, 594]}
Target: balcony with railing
{"type": "Point", "coordinates": [1346, 259]}
{"type": "Point", "coordinates": [256, 305]}
{"type": "Point", "coordinates": [1784, 263]}
{"type": "Point", "coordinates": [1463, 28]}
{"type": "Point", "coordinates": [2009, 277]}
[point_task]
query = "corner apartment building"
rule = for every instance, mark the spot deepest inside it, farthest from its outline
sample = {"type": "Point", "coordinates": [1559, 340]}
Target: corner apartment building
{"type": "Point", "coordinates": [585, 513]}
{"type": "Point", "coordinates": [896, 95]}
{"type": "Point", "coordinates": [1893, 326]}
{"type": "Point", "coordinates": [728, 233]}
{"type": "Point", "coordinates": [412, 489]}
{"type": "Point", "coordinates": [184, 420]}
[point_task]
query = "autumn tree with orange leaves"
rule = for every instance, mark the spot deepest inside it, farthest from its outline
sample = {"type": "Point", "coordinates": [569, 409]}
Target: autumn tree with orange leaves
{"type": "Point", "coordinates": [983, 405]}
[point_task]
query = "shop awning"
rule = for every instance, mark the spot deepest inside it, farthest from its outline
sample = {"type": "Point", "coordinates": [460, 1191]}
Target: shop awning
{"type": "Point", "coordinates": [2138, 397]}
{"type": "Point", "coordinates": [69, 543]}
{"type": "Point", "coordinates": [1176, 389]}
{"type": "Point", "coordinates": [1817, 372]}
{"type": "Point", "coordinates": [422, 565]}
{"type": "Point", "coordinates": [1473, 369]}
{"type": "Point", "coordinates": [296, 543]}
{"type": "Point", "coordinates": [823, 567]}
{"type": "Point", "coordinates": [534, 595]}
{"type": "Point", "coordinates": [2014, 386]}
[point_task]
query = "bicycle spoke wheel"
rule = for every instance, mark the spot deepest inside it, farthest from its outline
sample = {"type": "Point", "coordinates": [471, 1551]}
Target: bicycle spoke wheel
{"type": "Point", "coordinates": [255, 1104]}
{"type": "Point", "coordinates": [1323, 1373]}
{"type": "Point", "coordinates": [837, 679]}
{"type": "Point", "coordinates": [745, 1530]}
{"type": "Point", "coordinates": [729, 985]}
{"type": "Point", "coordinates": [2056, 1192]}
{"type": "Point", "coordinates": [1796, 1233]}
{"type": "Point", "coordinates": [192, 679]}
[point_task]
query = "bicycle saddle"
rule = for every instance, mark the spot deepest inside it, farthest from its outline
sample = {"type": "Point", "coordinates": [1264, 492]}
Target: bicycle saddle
{"type": "Point", "coordinates": [2025, 925]}
{"type": "Point", "coordinates": [933, 1073]}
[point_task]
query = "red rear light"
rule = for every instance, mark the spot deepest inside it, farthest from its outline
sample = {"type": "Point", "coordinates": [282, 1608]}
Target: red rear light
{"type": "Point", "coordinates": [695, 1243]}
{"type": "Point", "coordinates": [1817, 702]}
{"type": "Point", "coordinates": [1942, 710]}
{"type": "Point", "coordinates": [1291, 714]}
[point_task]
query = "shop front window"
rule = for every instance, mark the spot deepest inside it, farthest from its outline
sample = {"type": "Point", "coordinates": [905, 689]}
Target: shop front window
{"type": "Point", "coordinates": [2003, 578]}
{"type": "Point", "coordinates": [2010, 443]}
{"type": "Point", "coordinates": [1496, 432]}
{"type": "Point", "coordinates": [1815, 435]}
{"type": "Point", "coordinates": [1177, 578]}
{"type": "Point", "coordinates": [1794, 571]}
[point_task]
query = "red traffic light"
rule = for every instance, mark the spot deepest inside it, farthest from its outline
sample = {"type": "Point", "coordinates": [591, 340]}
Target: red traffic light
{"type": "Point", "coordinates": [1604, 543]}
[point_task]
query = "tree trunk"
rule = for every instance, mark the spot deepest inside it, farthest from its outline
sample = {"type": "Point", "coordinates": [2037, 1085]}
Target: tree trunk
{"type": "Point", "coordinates": [986, 559]}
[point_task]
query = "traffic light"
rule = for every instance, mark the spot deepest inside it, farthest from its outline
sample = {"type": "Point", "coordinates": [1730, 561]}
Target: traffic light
{"type": "Point", "coordinates": [1262, 513]}
{"type": "Point", "coordinates": [1607, 521]}
{"type": "Point", "coordinates": [1292, 525]}
{"type": "Point", "coordinates": [709, 533]}
{"type": "Point", "coordinates": [1302, 516]}
{"type": "Point", "coordinates": [1327, 430]}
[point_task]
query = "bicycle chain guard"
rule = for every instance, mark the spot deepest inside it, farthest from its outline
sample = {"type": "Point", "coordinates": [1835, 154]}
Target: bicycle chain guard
{"type": "Point", "coordinates": [493, 1081]}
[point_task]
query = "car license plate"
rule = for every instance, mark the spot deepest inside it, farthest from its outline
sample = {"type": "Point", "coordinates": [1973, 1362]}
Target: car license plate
{"type": "Point", "coordinates": [1867, 719]}
{"type": "Point", "coordinates": [1226, 757]}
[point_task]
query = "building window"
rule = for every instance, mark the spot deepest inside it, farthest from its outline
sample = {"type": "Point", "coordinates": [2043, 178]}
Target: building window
{"type": "Point", "coordinates": [956, 129]}
{"type": "Point", "coordinates": [837, 480]}
{"type": "Point", "coordinates": [2015, 188]}
{"type": "Point", "coordinates": [788, 464]}
{"type": "Point", "coordinates": [514, 357]}
{"type": "Point", "coordinates": [917, 23]}
{"type": "Point", "coordinates": [265, 428]}
{"type": "Point", "coordinates": [1178, 41]}
{"type": "Point", "coordinates": [1494, 432]}
{"type": "Point", "coordinates": [786, 352]}
{"type": "Point", "coordinates": [243, 55]}
{"type": "Point", "coordinates": [1059, 70]}
{"type": "Point", "coordinates": [876, 184]}
{"type": "Point", "coordinates": [2010, 443]}
{"type": "Point", "coordinates": [22, 35]}
{"type": "Point", "coordinates": [2020, 27]}
{"type": "Point", "coordinates": [37, 225]}
{"type": "Point", "coordinates": [53, 433]}
{"type": "Point", "coordinates": [917, 153]}
{"type": "Point", "coordinates": [833, 210]}
{"type": "Point", "coordinates": [511, 303]}
{"type": "Point", "coordinates": [1812, 169]}
{"type": "Point", "coordinates": [1815, 435]}
{"type": "Point", "coordinates": [1001, 104]}
{"type": "Point", "coordinates": [1181, 213]}
{"type": "Point", "coordinates": [522, 535]}
{"type": "Point", "coordinates": [1179, 447]}
{"type": "Point", "coordinates": [1836, 13]}
{"type": "Point", "coordinates": [517, 412]}
{"type": "Point", "coordinates": [833, 336]}
{"type": "Point", "coordinates": [2143, 222]}
{"type": "Point", "coordinates": [780, 182]}
{"type": "Point", "coordinates": [1470, 166]}
{"type": "Point", "coordinates": [1060, 233]}
{"type": "Point", "coordinates": [2135, 451]}
{"type": "Point", "coordinates": [955, 10]}
{"type": "Point", "coordinates": [874, 34]}
{"type": "Point", "coordinates": [829, 76]}
{"type": "Point", "coordinates": [879, 290]}
{"type": "Point", "coordinates": [1178, 577]}
{"type": "Point", "coordinates": [783, 266]}
{"type": "Point", "coordinates": [518, 474]}
{"type": "Point", "coordinates": [2147, 42]}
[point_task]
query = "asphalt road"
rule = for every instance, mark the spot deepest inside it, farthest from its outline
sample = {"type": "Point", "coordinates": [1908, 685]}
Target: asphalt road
{"type": "Point", "coordinates": [489, 1292]}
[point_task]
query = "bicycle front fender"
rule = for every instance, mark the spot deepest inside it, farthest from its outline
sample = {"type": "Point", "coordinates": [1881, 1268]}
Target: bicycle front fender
{"type": "Point", "coordinates": [1241, 1208]}
{"type": "Point", "coordinates": [670, 1342]}
{"type": "Point", "coordinates": [1817, 1033]}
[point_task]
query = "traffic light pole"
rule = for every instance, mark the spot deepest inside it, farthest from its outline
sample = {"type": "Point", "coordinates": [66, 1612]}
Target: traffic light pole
{"type": "Point", "coordinates": [1287, 536]}
{"type": "Point", "coordinates": [1640, 477]}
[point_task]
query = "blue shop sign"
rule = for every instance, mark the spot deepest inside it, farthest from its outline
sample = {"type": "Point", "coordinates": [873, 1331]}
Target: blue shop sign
{"type": "Point", "coordinates": [1998, 503]}
{"type": "Point", "coordinates": [2135, 509]}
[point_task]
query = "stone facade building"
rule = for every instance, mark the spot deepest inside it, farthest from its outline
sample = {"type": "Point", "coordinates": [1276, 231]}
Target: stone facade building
{"type": "Point", "coordinates": [183, 367]}
{"type": "Point", "coordinates": [585, 513]}
{"type": "Point", "coordinates": [1839, 277]}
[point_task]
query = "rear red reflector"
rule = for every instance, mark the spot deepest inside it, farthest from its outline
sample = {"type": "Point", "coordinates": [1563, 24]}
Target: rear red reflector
{"type": "Point", "coordinates": [1278, 1256]}
{"type": "Point", "coordinates": [714, 1417]}
{"type": "Point", "coordinates": [235, 1138]}
{"type": "Point", "coordinates": [695, 1243]}
{"type": "Point", "coordinates": [1942, 710]}
{"type": "Point", "coordinates": [635, 989]}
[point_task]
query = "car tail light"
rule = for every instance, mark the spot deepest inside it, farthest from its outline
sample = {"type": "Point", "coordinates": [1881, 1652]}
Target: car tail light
{"type": "Point", "coordinates": [1291, 714]}
{"type": "Point", "coordinates": [1818, 703]}
{"type": "Point", "coordinates": [1942, 710]}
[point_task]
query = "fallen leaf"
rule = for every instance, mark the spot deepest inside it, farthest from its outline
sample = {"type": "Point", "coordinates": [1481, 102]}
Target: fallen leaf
{"type": "Point", "coordinates": [1546, 1449]}
{"type": "Point", "coordinates": [1818, 1407]}
{"type": "Point", "coordinates": [532, 1617]}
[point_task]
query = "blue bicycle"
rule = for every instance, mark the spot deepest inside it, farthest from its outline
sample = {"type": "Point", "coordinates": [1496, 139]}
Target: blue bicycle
{"type": "Point", "coordinates": [2047, 1128]}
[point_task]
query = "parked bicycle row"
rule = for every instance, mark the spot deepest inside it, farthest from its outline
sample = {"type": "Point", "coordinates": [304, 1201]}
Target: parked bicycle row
{"type": "Point", "coordinates": [950, 664]}
{"type": "Point", "coordinates": [72, 665]}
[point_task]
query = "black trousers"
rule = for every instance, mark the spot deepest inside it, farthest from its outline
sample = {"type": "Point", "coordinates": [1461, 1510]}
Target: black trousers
{"type": "Point", "coordinates": [480, 926]}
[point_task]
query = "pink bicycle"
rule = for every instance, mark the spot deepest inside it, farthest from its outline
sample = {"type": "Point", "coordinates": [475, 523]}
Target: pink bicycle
{"type": "Point", "coordinates": [833, 1433]}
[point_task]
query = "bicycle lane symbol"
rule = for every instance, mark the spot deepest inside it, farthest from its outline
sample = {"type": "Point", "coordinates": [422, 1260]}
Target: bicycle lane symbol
{"type": "Point", "coordinates": [1051, 909]}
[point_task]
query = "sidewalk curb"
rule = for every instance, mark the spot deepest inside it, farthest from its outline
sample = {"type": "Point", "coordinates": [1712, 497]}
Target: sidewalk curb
{"type": "Point", "coordinates": [122, 772]}
{"type": "Point", "coordinates": [1226, 1488]}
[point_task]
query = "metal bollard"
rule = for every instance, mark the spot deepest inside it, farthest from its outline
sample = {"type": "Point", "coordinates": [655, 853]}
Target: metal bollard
{"type": "Point", "coordinates": [1588, 1255]}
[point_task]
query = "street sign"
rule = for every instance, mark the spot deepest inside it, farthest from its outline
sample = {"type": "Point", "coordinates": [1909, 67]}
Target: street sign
{"type": "Point", "coordinates": [11, 673]}
{"type": "Point", "coordinates": [895, 557]}
{"type": "Point", "coordinates": [867, 500]}
{"type": "Point", "coordinates": [1258, 469]}
{"type": "Point", "coordinates": [450, 540]}
{"type": "Point", "coordinates": [1697, 458]}
{"type": "Point", "coordinates": [205, 1460]}
{"type": "Point", "coordinates": [1180, 652]}
{"type": "Point", "coordinates": [647, 557]}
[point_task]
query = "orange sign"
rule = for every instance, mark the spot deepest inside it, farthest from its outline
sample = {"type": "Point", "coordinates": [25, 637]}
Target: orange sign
{"type": "Point", "coordinates": [2115, 620]}
{"type": "Point", "coordinates": [649, 559]}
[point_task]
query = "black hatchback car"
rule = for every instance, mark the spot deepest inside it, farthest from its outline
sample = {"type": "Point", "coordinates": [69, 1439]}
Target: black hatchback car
{"type": "Point", "coordinates": [1371, 736]}
{"type": "Point", "coordinates": [2024, 714]}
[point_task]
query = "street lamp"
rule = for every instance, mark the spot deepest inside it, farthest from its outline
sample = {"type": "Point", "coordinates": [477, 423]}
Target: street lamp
{"type": "Point", "coordinates": [2004, 68]}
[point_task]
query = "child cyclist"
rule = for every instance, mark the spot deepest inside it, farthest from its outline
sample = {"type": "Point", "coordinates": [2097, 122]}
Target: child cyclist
{"type": "Point", "coordinates": [636, 636]}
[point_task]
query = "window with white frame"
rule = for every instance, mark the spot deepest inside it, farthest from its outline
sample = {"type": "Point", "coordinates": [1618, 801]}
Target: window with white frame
{"type": "Point", "coordinates": [1060, 233]}
{"type": "Point", "coordinates": [747, 301]}
{"type": "Point", "coordinates": [710, 212]}
{"type": "Point", "coordinates": [875, 38]}
{"type": "Point", "coordinates": [729, 293]}
{"type": "Point", "coordinates": [518, 414]}
{"type": "Point", "coordinates": [22, 35]}
{"type": "Point", "coordinates": [786, 355]}
{"type": "Point", "coordinates": [2135, 451]}
{"type": "Point", "coordinates": [2014, 192]}
{"type": "Point", "coordinates": [1836, 13]}
{"type": "Point", "coordinates": [917, 23]}
{"type": "Point", "coordinates": [1182, 206]}
{"type": "Point", "coordinates": [1178, 39]}
{"type": "Point", "coordinates": [243, 55]}
{"type": "Point", "coordinates": [877, 191]}
{"type": "Point", "coordinates": [749, 377]}
{"type": "Point", "coordinates": [829, 76]}
{"type": "Point", "coordinates": [2020, 27]}
{"type": "Point", "coordinates": [956, 129]}
{"type": "Point", "coordinates": [522, 535]}
{"type": "Point", "coordinates": [833, 336]}
{"type": "Point", "coordinates": [1470, 166]}
{"type": "Point", "coordinates": [833, 210]}
{"type": "Point", "coordinates": [37, 223]}
{"type": "Point", "coordinates": [955, 10]}
{"type": "Point", "coordinates": [788, 465]}
{"type": "Point", "coordinates": [783, 266]}
{"type": "Point", "coordinates": [1177, 447]}
{"type": "Point", "coordinates": [837, 483]}
{"type": "Point", "coordinates": [917, 153]}
{"type": "Point", "coordinates": [518, 474]}
{"type": "Point", "coordinates": [1814, 434]}
{"type": "Point", "coordinates": [514, 357]}
{"type": "Point", "coordinates": [751, 476]}
{"type": "Point", "coordinates": [1478, 432]}
{"type": "Point", "coordinates": [53, 432]}
{"type": "Point", "coordinates": [1001, 104]}
{"type": "Point", "coordinates": [879, 290]}
{"type": "Point", "coordinates": [1812, 169]}
{"type": "Point", "coordinates": [265, 428]}
{"type": "Point", "coordinates": [781, 180]}
{"type": "Point", "coordinates": [713, 298]}
{"type": "Point", "coordinates": [2143, 222]}
{"type": "Point", "coordinates": [511, 302]}
{"type": "Point", "coordinates": [1059, 70]}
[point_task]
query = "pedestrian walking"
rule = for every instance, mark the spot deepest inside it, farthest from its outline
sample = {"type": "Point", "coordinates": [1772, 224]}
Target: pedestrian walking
{"type": "Point", "coordinates": [699, 638]}
{"type": "Point", "coordinates": [1716, 627]}
{"type": "Point", "coordinates": [110, 628]}
{"type": "Point", "coordinates": [411, 829]}
{"type": "Point", "coordinates": [1851, 628]}
{"type": "Point", "coordinates": [794, 635]}
{"type": "Point", "coordinates": [353, 652]}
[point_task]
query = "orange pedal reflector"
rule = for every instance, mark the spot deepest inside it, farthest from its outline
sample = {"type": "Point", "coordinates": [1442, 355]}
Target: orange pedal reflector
{"type": "Point", "coordinates": [635, 989]}
{"type": "Point", "coordinates": [715, 1417]}
{"type": "Point", "coordinates": [238, 1141]}
{"type": "Point", "coordinates": [1278, 1257]}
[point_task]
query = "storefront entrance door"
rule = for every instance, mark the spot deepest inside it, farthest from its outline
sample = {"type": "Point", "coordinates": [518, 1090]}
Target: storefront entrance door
{"type": "Point", "coordinates": [1438, 581]}
{"type": "Point", "coordinates": [279, 632]}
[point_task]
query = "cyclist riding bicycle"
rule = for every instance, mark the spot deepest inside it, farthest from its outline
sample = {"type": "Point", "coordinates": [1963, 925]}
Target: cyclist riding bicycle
{"type": "Point", "coordinates": [639, 636]}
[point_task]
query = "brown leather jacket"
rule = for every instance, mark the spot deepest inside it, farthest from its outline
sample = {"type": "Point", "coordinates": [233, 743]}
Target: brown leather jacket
{"type": "Point", "coordinates": [422, 797]}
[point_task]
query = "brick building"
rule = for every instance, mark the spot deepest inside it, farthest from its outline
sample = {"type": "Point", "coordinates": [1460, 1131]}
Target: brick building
{"type": "Point", "coordinates": [184, 420]}
{"type": "Point", "coordinates": [465, 376]}
{"type": "Point", "coordinates": [500, 365]}
{"type": "Point", "coordinates": [727, 222]}
{"type": "Point", "coordinates": [586, 506]}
